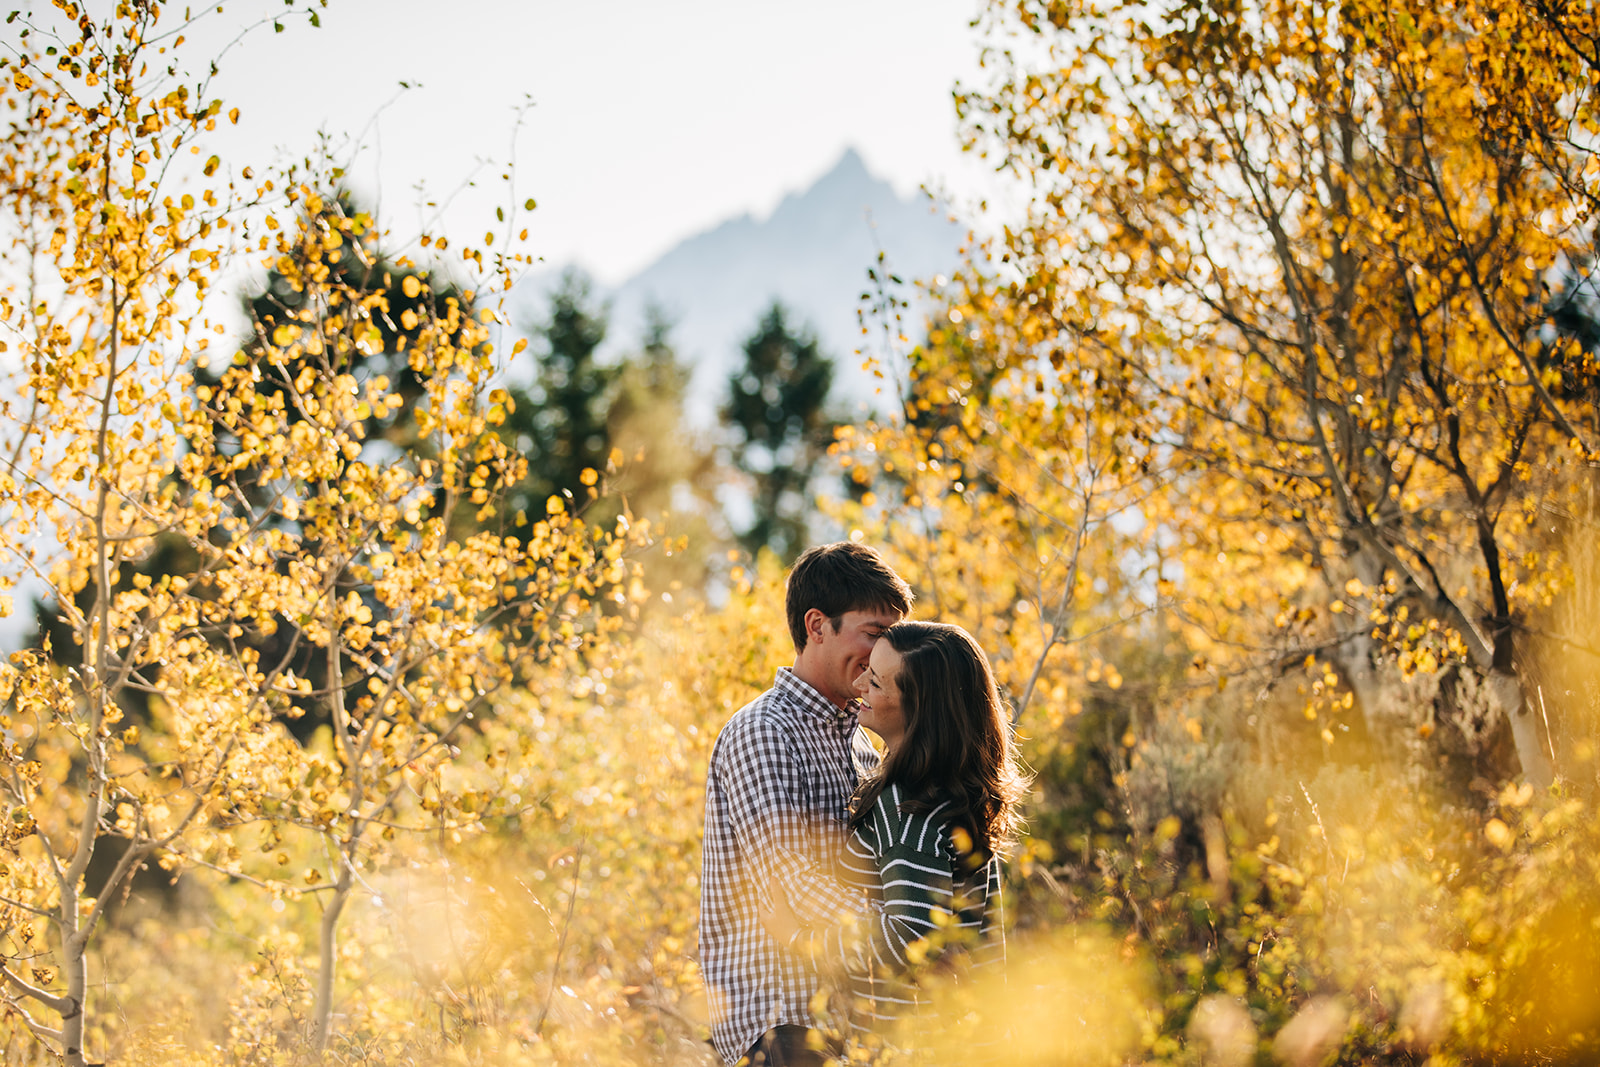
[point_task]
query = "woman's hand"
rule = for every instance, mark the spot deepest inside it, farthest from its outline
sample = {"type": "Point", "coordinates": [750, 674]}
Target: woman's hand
{"type": "Point", "coordinates": [779, 918]}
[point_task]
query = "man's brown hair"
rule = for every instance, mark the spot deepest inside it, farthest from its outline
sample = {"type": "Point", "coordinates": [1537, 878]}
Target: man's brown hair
{"type": "Point", "coordinates": [841, 577]}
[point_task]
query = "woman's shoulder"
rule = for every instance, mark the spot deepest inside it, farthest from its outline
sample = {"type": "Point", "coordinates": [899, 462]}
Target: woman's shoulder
{"type": "Point", "coordinates": [924, 823]}
{"type": "Point", "coordinates": [938, 823]}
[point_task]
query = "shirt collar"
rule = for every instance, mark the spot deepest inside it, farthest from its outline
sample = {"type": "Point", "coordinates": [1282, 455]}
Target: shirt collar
{"type": "Point", "coordinates": [803, 695]}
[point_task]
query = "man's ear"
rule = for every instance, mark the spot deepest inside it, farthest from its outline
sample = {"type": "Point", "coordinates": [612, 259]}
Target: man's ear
{"type": "Point", "coordinates": [816, 620]}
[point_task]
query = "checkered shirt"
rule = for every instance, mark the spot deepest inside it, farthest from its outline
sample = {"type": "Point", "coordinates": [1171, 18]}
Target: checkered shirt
{"type": "Point", "coordinates": [777, 792]}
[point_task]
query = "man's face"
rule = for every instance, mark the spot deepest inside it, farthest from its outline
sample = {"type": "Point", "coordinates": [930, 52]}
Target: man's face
{"type": "Point", "coordinates": [842, 656]}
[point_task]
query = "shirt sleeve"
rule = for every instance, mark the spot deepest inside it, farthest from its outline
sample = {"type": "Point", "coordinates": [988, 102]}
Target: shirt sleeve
{"type": "Point", "coordinates": [766, 791]}
{"type": "Point", "coordinates": [897, 932]}
{"type": "Point", "coordinates": [991, 946]}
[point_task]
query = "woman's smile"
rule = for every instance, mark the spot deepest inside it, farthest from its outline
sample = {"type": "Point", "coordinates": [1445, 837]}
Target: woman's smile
{"type": "Point", "coordinates": [879, 686]}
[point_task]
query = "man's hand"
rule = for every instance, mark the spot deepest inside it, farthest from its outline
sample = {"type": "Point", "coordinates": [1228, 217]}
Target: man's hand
{"type": "Point", "coordinates": [777, 916]}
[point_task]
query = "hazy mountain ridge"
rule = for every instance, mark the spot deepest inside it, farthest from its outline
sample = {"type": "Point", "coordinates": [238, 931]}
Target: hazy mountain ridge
{"type": "Point", "coordinates": [813, 253]}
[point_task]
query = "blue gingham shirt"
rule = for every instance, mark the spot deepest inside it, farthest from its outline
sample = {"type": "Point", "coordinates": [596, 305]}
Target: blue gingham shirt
{"type": "Point", "coordinates": [777, 793]}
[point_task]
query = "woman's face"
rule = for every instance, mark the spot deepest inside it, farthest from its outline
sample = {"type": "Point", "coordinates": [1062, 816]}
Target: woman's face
{"type": "Point", "coordinates": [880, 695]}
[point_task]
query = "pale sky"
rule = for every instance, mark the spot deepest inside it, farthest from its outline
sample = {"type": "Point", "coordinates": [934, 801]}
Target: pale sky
{"type": "Point", "coordinates": [651, 120]}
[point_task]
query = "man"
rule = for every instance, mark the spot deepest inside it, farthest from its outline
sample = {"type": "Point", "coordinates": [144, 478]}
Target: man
{"type": "Point", "coordinates": [780, 780]}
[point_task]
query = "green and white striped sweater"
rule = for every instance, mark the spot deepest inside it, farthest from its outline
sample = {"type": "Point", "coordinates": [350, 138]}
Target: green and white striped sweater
{"type": "Point", "coordinates": [932, 901]}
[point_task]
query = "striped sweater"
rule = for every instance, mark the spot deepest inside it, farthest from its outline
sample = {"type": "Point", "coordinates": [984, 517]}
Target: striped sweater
{"type": "Point", "coordinates": [930, 898]}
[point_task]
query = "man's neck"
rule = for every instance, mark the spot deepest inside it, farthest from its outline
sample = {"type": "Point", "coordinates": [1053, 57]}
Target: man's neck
{"type": "Point", "coordinates": [804, 672]}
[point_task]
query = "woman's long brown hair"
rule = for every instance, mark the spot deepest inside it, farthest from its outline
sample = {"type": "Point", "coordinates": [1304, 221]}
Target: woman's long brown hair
{"type": "Point", "coordinates": [957, 744]}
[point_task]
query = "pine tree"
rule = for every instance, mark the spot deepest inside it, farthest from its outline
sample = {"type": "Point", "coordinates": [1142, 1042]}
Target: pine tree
{"type": "Point", "coordinates": [775, 411]}
{"type": "Point", "coordinates": [559, 422]}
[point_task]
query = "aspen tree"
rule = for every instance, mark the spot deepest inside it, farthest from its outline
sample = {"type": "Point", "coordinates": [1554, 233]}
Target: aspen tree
{"type": "Point", "coordinates": [1301, 252]}
{"type": "Point", "coordinates": [120, 229]}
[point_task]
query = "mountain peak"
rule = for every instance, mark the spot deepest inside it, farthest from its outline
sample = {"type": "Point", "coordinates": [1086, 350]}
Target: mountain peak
{"type": "Point", "coordinates": [812, 253]}
{"type": "Point", "coordinates": [850, 175]}
{"type": "Point", "coordinates": [846, 189]}
{"type": "Point", "coordinates": [851, 167]}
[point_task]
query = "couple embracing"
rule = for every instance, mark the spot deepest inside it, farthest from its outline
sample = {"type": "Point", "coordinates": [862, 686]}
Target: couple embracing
{"type": "Point", "coordinates": [823, 858]}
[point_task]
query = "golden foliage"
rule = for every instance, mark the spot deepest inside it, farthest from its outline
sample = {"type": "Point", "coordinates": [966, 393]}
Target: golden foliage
{"type": "Point", "coordinates": [304, 534]}
{"type": "Point", "coordinates": [1262, 383]}
{"type": "Point", "coordinates": [1300, 257]}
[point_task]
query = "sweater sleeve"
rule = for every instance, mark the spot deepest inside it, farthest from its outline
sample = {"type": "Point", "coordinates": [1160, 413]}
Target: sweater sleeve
{"type": "Point", "coordinates": [914, 867]}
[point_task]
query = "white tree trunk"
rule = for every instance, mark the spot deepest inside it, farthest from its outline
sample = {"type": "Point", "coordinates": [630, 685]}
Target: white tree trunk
{"type": "Point", "coordinates": [1505, 692]}
{"type": "Point", "coordinates": [322, 1012]}
{"type": "Point", "coordinates": [75, 964]}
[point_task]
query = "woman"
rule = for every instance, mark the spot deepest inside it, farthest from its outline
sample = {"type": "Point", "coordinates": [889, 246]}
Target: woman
{"type": "Point", "coordinates": [926, 828]}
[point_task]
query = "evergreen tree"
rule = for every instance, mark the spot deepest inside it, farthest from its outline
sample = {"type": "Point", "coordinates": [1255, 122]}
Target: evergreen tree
{"type": "Point", "coordinates": [394, 299]}
{"type": "Point", "coordinates": [559, 422]}
{"type": "Point", "coordinates": [775, 411]}
{"type": "Point", "coordinates": [644, 422]}
{"type": "Point", "coordinates": [668, 472]}
{"type": "Point", "coordinates": [622, 419]}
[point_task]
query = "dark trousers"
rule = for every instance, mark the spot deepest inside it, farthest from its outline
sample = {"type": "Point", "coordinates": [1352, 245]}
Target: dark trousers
{"type": "Point", "coordinates": [785, 1046]}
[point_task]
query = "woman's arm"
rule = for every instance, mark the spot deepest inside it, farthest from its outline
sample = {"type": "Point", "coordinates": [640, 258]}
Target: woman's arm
{"type": "Point", "coordinates": [915, 870]}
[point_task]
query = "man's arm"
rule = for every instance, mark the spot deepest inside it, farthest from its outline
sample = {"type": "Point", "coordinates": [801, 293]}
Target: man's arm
{"type": "Point", "coordinates": [764, 783]}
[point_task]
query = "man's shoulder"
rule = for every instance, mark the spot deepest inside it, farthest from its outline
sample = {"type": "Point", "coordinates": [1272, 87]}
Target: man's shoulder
{"type": "Point", "coordinates": [789, 704]}
{"type": "Point", "coordinates": [777, 726]}
{"type": "Point", "coordinates": [766, 716]}
{"type": "Point", "coordinates": [766, 708]}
